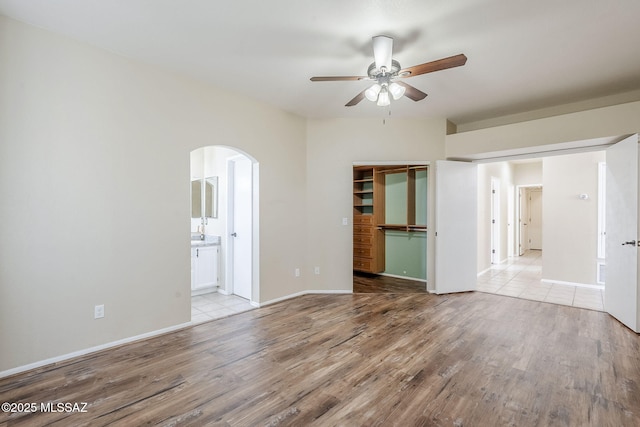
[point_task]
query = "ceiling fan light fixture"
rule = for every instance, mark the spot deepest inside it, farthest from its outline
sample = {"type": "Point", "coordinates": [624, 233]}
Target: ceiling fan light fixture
{"type": "Point", "coordinates": [397, 91]}
{"type": "Point", "coordinates": [383, 98]}
{"type": "Point", "coordinates": [385, 70]}
{"type": "Point", "coordinates": [372, 92]}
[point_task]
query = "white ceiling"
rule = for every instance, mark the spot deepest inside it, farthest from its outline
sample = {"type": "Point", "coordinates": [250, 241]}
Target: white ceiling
{"type": "Point", "coordinates": [523, 55]}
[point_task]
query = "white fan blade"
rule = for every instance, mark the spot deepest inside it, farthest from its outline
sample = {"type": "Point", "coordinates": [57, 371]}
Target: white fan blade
{"type": "Point", "coordinates": [382, 50]}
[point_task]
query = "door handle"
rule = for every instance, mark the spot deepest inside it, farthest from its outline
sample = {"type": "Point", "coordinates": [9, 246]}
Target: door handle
{"type": "Point", "coordinates": [632, 243]}
{"type": "Point", "coordinates": [234, 234]}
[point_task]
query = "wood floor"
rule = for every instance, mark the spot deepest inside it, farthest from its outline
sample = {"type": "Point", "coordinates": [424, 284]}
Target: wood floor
{"type": "Point", "coordinates": [366, 359]}
{"type": "Point", "coordinates": [365, 283]}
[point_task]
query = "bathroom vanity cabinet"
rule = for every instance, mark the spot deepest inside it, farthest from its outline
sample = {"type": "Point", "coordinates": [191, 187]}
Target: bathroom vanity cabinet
{"type": "Point", "coordinates": [204, 267]}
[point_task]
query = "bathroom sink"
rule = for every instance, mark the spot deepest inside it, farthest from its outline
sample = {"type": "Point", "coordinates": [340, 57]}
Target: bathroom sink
{"type": "Point", "coordinates": [208, 240]}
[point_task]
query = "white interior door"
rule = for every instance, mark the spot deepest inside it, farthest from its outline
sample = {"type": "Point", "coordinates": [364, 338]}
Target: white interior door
{"type": "Point", "coordinates": [511, 233]}
{"type": "Point", "coordinates": [496, 225]}
{"type": "Point", "coordinates": [621, 290]}
{"type": "Point", "coordinates": [523, 208]}
{"type": "Point", "coordinates": [535, 218]}
{"type": "Point", "coordinates": [240, 221]}
{"type": "Point", "coordinates": [456, 227]}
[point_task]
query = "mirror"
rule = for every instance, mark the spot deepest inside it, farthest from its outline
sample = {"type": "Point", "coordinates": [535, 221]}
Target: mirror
{"type": "Point", "coordinates": [211, 197]}
{"type": "Point", "coordinates": [196, 199]}
{"type": "Point", "coordinates": [204, 204]}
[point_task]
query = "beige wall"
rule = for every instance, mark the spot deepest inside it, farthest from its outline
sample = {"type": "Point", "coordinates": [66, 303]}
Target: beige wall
{"type": "Point", "coordinates": [332, 147]}
{"type": "Point", "coordinates": [569, 224]}
{"type": "Point", "coordinates": [528, 173]}
{"type": "Point", "coordinates": [94, 178]}
{"type": "Point", "coordinates": [603, 122]}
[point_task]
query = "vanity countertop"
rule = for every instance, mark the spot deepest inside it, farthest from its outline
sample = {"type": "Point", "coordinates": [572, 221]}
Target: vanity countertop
{"type": "Point", "coordinates": [208, 241]}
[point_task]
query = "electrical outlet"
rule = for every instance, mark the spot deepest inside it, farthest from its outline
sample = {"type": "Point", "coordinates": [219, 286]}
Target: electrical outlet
{"type": "Point", "coordinates": [316, 270]}
{"type": "Point", "coordinates": [297, 272]}
{"type": "Point", "coordinates": [98, 311]}
{"type": "Point", "coordinates": [345, 221]}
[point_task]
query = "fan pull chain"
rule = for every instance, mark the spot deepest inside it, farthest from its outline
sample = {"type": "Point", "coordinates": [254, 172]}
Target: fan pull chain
{"type": "Point", "coordinates": [384, 121]}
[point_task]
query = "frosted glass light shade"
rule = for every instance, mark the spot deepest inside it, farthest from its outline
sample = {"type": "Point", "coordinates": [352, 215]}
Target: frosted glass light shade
{"type": "Point", "coordinates": [383, 98]}
{"type": "Point", "coordinates": [372, 93]}
{"type": "Point", "coordinates": [397, 91]}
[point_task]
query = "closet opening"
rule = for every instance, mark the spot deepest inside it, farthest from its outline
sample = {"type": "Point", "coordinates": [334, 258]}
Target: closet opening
{"type": "Point", "coordinates": [390, 227]}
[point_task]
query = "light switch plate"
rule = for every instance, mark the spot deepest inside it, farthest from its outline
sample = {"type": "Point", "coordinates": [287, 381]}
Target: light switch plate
{"type": "Point", "coordinates": [98, 312]}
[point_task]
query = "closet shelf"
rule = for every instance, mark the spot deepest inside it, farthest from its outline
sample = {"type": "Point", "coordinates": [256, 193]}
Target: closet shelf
{"type": "Point", "coordinates": [368, 209]}
{"type": "Point", "coordinates": [402, 227]}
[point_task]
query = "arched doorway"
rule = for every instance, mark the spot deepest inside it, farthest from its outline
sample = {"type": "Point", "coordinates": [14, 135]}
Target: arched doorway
{"type": "Point", "coordinates": [232, 224]}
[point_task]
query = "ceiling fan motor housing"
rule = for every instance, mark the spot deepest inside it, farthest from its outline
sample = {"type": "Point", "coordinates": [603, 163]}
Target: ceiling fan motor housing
{"type": "Point", "coordinates": [375, 73]}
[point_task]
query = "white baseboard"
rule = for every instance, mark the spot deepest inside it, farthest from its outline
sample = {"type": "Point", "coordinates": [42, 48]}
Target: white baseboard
{"type": "Point", "coordinates": [204, 291]}
{"type": "Point", "coordinates": [397, 276]}
{"type": "Point", "coordinates": [491, 267]}
{"type": "Point", "coordinates": [86, 351]}
{"type": "Point", "coordinates": [297, 294]}
{"type": "Point", "coordinates": [579, 285]}
{"type": "Point", "coordinates": [483, 271]}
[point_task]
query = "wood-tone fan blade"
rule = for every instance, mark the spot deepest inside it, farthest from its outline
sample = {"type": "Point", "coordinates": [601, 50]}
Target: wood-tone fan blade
{"type": "Point", "coordinates": [430, 67]}
{"type": "Point", "coordinates": [359, 97]}
{"type": "Point", "coordinates": [337, 78]}
{"type": "Point", "coordinates": [411, 92]}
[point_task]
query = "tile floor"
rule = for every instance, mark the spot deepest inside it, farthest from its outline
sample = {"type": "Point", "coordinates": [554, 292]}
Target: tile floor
{"type": "Point", "coordinates": [215, 305]}
{"type": "Point", "coordinates": [520, 277]}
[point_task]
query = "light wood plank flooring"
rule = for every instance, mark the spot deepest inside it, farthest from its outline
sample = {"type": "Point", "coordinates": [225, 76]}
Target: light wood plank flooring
{"type": "Point", "coordinates": [374, 283]}
{"type": "Point", "coordinates": [470, 359]}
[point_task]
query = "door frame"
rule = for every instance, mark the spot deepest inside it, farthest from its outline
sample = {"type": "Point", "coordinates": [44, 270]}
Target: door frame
{"type": "Point", "coordinates": [429, 284]}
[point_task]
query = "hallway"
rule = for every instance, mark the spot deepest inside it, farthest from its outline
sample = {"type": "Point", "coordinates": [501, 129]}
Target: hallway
{"type": "Point", "coordinates": [520, 277]}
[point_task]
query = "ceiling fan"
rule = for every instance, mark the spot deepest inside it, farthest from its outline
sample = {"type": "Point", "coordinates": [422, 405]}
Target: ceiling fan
{"type": "Point", "coordinates": [385, 71]}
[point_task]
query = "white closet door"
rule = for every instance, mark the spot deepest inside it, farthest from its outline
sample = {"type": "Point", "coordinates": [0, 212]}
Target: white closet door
{"type": "Point", "coordinates": [456, 227]}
